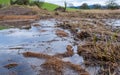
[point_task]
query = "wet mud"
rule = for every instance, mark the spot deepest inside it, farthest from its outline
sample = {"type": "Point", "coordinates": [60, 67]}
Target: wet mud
{"type": "Point", "coordinates": [41, 44]}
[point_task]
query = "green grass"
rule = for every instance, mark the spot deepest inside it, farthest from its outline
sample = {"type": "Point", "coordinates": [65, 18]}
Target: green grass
{"type": "Point", "coordinates": [4, 1]}
{"type": "Point", "coordinates": [2, 27]}
{"type": "Point", "coordinates": [51, 7]}
{"type": "Point", "coordinates": [47, 6]}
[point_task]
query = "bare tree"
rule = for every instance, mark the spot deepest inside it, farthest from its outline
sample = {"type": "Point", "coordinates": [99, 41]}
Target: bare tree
{"type": "Point", "coordinates": [65, 3]}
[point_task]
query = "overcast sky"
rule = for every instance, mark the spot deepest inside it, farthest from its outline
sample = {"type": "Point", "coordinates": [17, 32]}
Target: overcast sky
{"type": "Point", "coordinates": [79, 2]}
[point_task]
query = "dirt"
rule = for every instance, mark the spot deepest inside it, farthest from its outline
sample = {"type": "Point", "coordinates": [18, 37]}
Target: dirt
{"type": "Point", "coordinates": [18, 16]}
{"type": "Point", "coordinates": [16, 24]}
{"type": "Point", "coordinates": [95, 14]}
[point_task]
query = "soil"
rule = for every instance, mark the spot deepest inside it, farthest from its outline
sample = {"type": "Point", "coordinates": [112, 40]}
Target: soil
{"type": "Point", "coordinates": [17, 10]}
{"type": "Point", "coordinates": [18, 16]}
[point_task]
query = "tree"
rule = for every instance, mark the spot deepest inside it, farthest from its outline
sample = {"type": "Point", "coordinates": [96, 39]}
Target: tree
{"type": "Point", "coordinates": [38, 3]}
{"type": "Point", "coordinates": [19, 2]}
{"type": "Point", "coordinates": [84, 6]}
{"type": "Point", "coordinates": [97, 6]}
{"type": "Point", "coordinates": [111, 4]}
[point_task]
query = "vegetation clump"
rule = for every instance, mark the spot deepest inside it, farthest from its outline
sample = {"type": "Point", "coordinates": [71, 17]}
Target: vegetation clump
{"type": "Point", "coordinates": [61, 33]}
{"type": "Point", "coordinates": [83, 34]}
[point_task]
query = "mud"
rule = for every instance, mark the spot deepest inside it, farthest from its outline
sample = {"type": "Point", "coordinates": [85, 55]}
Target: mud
{"type": "Point", "coordinates": [17, 10]}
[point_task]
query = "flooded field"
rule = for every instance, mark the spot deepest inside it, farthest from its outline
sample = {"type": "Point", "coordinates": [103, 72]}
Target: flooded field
{"type": "Point", "coordinates": [44, 48]}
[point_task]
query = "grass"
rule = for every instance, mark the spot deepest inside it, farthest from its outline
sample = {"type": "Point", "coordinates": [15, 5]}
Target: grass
{"type": "Point", "coordinates": [52, 7]}
{"type": "Point", "coordinates": [2, 27]}
{"type": "Point", "coordinates": [49, 6]}
{"type": "Point", "coordinates": [4, 1]}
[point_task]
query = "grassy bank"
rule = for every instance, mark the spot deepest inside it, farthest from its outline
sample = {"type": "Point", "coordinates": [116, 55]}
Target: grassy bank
{"type": "Point", "coordinates": [52, 7]}
{"type": "Point", "coordinates": [49, 6]}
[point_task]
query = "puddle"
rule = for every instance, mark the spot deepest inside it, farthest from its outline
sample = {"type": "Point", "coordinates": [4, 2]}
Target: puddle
{"type": "Point", "coordinates": [114, 22]}
{"type": "Point", "coordinates": [75, 59]}
{"type": "Point", "coordinates": [39, 38]}
{"type": "Point", "coordinates": [22, 67]}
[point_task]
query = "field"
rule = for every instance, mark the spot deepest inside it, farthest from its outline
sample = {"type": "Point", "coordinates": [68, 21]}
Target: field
{"type": "Point", "coordinates": [41, 41]}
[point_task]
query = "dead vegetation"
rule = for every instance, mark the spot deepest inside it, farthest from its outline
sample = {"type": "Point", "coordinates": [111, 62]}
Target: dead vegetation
{"type": "Point", "coordinates": [54, 65]}
{"type": "Point", "coordinates": [17, 17]}
{"type": "Point", "coordinates": [58, 66]}
{"type": "Point", "coordinates": [101, 45]}
{"type": "Point", "coordinates": [83, 34]}
{"type": "Point", "coordinates": [12, 65]}
{"type": "Point", "coordinates": [102, 51]}
{"type": "Point", "coordinates": [61, 33]}
{"type": "Point", "coordinates": [37, 55]}
{"type": "Point", "coordinates": [68, 53]}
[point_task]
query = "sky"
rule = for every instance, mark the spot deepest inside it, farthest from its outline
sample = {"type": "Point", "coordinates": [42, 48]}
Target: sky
{"type": "Point", "coordinates": [79, 2]}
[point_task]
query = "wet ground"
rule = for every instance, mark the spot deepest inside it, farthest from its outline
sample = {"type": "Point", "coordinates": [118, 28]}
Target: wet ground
{"type": "Point", "coordinates": [41, 37]}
